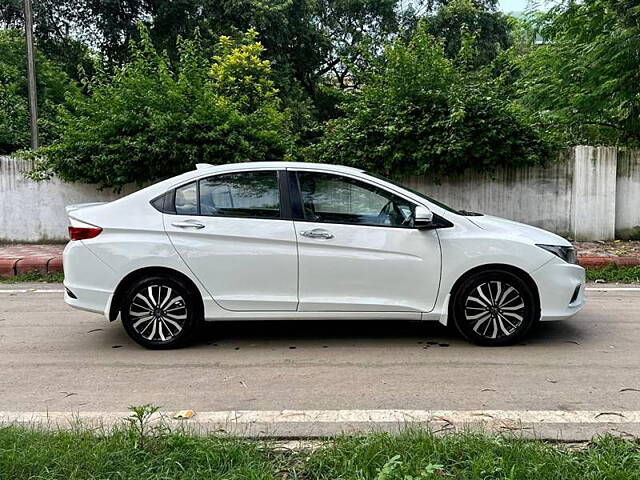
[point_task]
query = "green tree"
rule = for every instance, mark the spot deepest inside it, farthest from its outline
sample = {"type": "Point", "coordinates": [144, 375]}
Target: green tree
{"type": "Point", "coordinates": [52, 86]}
{"type": "Point", "coordinates": [148, 120]}
{"type": "Point", "coordinates": [585, 79]}
{"type": "Point", "coordinates": [62, 30]}
{"type": "Point", "coordinates": [442, 121]}
{"type": "Point", "coordinates": [311, 43]}
{"type": "Point", "coordinates": [490, 29]}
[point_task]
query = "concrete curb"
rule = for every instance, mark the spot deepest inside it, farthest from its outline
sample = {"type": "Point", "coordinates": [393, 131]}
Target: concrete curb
{"type": "Point", "coordinates": [567, 426]}
{"type": "Point", "coordinates": [11, 266]}
{"type": "Point", "coordinates": [595, 262]}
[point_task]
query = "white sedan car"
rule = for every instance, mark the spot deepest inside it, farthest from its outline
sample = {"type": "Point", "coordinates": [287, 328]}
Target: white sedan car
{"type": "Point", "coordinates": [301, 241]}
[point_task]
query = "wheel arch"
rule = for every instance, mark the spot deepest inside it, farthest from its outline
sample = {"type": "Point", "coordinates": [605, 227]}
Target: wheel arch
{"type": "Point", "coordinates": [140, 273]}
{"type": "Point", "coordinates": [523, 275]}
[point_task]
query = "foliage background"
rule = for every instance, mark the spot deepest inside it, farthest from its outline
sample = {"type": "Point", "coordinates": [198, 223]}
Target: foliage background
{"type": "Point", "coordinates": [132, 91]}
{"type": "Point", "coordinates": [146, 119]}
{"type": "Point", "coordinates": [52, 86]}
{"type": "Point", "coordinates": [448, 117]}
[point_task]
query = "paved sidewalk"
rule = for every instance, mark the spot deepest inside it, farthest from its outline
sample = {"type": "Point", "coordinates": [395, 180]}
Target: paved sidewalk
{"type": "Point", "coordinates": [19, 259]}
{"type": "Point", "coordinates": [617, 252]}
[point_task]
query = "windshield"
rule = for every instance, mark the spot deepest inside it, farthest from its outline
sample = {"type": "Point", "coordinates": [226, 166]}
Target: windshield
{"type": "Point", "coordinates": [420, 194]}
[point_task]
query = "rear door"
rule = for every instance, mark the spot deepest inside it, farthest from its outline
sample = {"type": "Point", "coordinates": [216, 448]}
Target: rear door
{"type": "Point", "coordinates": [358, 250]}
{"type": "Point", "coordinates": [236, 235]}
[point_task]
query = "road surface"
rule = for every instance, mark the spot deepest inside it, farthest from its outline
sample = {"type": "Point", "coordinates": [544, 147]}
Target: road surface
{"type": "Point", "coordinates": [54, 358]}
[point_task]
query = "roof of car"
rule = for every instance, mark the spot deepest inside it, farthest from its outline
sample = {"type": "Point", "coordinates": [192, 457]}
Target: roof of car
{"type": "Point", "coordinates": [204, 169]}
{"type": "Point", "coordinates": [323, 166]}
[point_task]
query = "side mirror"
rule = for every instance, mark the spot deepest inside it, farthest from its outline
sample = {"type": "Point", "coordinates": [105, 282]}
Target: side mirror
{"type": "Point", "coordinates": [423, 217]}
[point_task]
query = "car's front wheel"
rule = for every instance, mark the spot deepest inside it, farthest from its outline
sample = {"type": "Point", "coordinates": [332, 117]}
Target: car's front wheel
{"type": "Point", "coordinates": [160, 312]}
{"type": "Point", "coordinates": [494, 308]}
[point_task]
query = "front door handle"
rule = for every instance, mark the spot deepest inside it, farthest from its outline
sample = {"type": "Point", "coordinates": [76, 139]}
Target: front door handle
{"type": "Point", "coordinates": [317, 233]}
{"type": "Point", "coordinates": [188, 224]}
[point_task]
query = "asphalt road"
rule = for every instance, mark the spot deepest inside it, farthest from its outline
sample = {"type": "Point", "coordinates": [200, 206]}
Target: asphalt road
{"type": "Point", "coordinates": [55, 358]}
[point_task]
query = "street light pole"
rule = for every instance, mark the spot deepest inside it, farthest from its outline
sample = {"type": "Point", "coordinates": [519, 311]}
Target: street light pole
{"type": "Point", "coordinates": [31, 74]}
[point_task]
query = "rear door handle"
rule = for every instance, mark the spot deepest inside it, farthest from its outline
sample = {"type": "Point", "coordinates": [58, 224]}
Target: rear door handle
{"type": "Point", "coordinates": [188, 224]}
{"type": "Point", "coordinates": [317, 233]}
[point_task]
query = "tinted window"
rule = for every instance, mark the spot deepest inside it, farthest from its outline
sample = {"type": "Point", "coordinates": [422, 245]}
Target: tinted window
{"type": "Point", "coordinates": [158, 203]}
{"type": "Point", "coordinates": [420, 194]}
{"type": "Point", "coordinates": [335, 199]}
{"type": "Point", "coordinates": [187, 199]}
{"type": "Point", "coordinates": [244, 194]}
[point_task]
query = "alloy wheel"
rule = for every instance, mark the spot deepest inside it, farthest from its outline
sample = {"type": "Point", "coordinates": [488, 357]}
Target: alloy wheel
{"type": "Point", "coordinates": [158, 313]}
{"type": "Point", "coordinates": [495, 309]}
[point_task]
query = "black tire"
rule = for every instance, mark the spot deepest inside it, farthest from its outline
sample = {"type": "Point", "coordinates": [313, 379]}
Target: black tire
{"type": "Point", "coordinates": [494, 308]}
{"type": "Point", "coordinates": [172, 310]}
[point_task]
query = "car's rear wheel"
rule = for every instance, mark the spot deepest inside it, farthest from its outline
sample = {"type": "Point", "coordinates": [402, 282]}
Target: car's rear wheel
{"type": "Point", "coordinates": [494, 308]}
{"type": "Point", "coordinates": [160, 312]}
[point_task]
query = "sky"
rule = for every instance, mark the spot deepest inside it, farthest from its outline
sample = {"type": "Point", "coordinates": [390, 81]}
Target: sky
{"type": "Point", "coordinates": [521, 5]}
{"type": "Point", "coordinates": [513, 5]}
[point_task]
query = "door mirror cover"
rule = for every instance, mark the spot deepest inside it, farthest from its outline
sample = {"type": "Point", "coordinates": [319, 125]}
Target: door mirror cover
{"type": "Point", "coordinates": [423, 217]}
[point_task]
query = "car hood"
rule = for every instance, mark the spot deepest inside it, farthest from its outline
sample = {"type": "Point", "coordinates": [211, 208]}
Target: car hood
{"type": "Point", "coordinates": [516, 229]}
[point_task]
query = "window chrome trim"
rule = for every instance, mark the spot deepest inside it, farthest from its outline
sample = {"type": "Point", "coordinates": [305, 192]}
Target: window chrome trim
{"type": "Point", "coordinates": [284, 210]}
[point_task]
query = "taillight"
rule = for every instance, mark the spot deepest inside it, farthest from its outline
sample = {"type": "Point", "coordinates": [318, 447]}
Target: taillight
{"type": "Point", "coordinates": [82, 233]}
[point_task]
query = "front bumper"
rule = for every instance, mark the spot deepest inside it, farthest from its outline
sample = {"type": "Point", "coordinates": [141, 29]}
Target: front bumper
{"type": "Point", "coordinates": [561, 287]}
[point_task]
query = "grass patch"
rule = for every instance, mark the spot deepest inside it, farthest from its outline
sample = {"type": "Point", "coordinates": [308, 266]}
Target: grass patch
{"type": "Point", "coordinates": [615, 274]}
{"type": "Point", "coordinates": [420, 455]}
{"type": "Point", "coordinates": [29, 454]}
{"type": "Point", "coordinates": [83, 454]}
{"type": "Point", "coordinates": [54, 277]}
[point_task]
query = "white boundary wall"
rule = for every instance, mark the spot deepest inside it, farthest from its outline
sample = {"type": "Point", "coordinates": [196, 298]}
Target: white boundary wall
{"type": "Point", "coordinates": [628, 195]}
{"type": "Point", "coordinates": [537, 196]}
{"type": "Point", "coordinates": [590, 193]}
{"type": "Point", "coordinates": [34, 211]}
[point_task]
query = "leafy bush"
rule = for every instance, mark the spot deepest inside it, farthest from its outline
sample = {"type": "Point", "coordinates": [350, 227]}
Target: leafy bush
{"type": "Point", "coordinates": [422, 113]}
{"type": "Point", "coordinates": [149, 120]}
{"type": "Point", "coordinates": [52, 84]}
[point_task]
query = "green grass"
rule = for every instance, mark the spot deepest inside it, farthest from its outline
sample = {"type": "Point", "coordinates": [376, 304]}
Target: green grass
{"type": "Point", "coordinates": [615, 274]}
{"type": "Point", "coordinates": [55, 277]}
{"type": "Point", "coordinates": [418, 455]}
{"type": "Point", "coordinates": [31, 454]}
{"type": "Point", "coordinates": [81, 454]}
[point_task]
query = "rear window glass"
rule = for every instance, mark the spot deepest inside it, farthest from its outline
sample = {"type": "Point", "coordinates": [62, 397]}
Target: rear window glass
{"type": "Point", "coordinates": [187, 199]}
{"type": "Point", "coordinates": [242, 194]}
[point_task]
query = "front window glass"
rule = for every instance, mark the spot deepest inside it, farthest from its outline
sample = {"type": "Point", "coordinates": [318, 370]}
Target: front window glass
{"type": "Point", "coordinates": [335, 199]}
{"type": "Point", "coordinates": [243, 194]}
{"type": "Point", "coordinates": [420, 194]}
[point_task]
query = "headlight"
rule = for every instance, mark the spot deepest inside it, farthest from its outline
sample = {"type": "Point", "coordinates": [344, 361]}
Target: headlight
{"type": "Point", "coordinates": [568, 254]}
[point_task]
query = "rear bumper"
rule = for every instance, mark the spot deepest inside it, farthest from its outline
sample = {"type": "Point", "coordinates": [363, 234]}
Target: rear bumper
{"type": "Point", "coordinates": [90, 280]}
{"type": "Point", "coordinates": [96, 301]}
{"type": "Point", "coordinates": [561, 287]}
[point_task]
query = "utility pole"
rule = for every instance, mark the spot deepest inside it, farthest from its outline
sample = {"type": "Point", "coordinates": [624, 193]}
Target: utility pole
{"type": "Point", "coordinates": [31, 74]}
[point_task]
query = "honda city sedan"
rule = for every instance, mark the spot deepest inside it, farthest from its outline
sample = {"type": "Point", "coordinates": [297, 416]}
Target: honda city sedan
{"type": "Point", "coordinates": [304, 241]}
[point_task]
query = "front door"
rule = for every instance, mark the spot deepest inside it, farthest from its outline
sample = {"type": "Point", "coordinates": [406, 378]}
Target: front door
{"type": "Point", "coordinates": [358, 250]}
{"type": "Point", "coordinates": [229, 229]}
